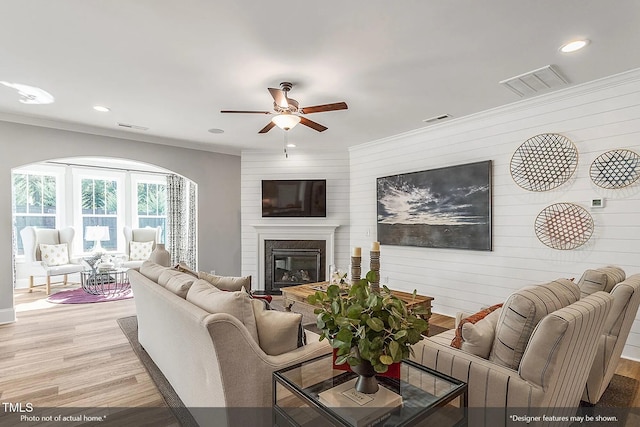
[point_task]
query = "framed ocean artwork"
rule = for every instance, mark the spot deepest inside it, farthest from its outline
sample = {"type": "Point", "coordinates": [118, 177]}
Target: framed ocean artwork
{"type": "Point", "coordinates": [448, 207]}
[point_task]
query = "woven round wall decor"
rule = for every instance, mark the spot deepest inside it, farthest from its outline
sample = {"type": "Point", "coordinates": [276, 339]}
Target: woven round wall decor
{"type": "Point", "coordinates": [615, 169]}
{"type": "Point", "coordinates": [564, 226]}
{"type": "Point", "coordinates": [544, 162]}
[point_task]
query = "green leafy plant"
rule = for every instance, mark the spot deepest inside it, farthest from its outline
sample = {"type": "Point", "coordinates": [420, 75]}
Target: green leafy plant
{"type": "Point", "coordinates": [365, 325]}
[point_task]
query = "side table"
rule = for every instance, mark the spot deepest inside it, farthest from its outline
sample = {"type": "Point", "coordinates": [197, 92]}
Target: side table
{"type": "Point", "coordinates": [105, 282]}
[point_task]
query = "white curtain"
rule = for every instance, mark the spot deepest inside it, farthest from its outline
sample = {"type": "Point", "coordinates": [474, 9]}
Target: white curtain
{"type": "Point", "coordinates": [182, 225]}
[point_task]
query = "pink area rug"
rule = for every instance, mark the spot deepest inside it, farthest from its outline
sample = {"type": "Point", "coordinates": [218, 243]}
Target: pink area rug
{"type": "Point", "coordinates": [79, 296]}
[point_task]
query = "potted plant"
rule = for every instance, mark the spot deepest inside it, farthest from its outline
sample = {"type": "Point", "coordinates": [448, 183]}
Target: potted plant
{"type": "Point", "coordinates": [368, 330]}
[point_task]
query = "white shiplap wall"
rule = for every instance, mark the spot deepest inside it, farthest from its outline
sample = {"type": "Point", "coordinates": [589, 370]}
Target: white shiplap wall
{"type": "Point", "coordinates": [597, 117]}
{"type": "Point", "coordinates": [256, 166]}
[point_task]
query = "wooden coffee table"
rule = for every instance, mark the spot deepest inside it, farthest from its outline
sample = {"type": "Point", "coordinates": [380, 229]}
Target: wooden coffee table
{"type": "Point", "coordinates": [300, 293]}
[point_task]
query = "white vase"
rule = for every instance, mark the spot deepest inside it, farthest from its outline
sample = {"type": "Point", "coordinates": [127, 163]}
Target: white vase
{"type": "Point", "coordinates": [160, 255]}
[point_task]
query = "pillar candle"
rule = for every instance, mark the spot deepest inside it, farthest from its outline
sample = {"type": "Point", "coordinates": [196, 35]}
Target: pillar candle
{"type": "Point", "coordinates": [357, 251]}
{"type": "Point", "coordinates": [375, 246]}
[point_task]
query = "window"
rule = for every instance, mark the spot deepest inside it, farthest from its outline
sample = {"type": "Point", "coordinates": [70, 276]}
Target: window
{"type": "Point", "coordinates": [152, 205]}
{"type": "Point", "coordinates": [35, 201]}
{"type": "Point", "coordinates": [99, 198]}
{"type": "Point", "coordinates": [61, 195]}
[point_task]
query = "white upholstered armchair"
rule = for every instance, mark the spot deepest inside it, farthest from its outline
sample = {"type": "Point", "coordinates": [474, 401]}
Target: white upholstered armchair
{"type": "Point", "coordinates": [139, 242]}
{"type": "Point", "coordinates": [47, 253]}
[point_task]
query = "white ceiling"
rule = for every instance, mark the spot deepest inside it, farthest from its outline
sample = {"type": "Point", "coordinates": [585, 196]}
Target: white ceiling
{"type": "Point", "coordinates": [172, 66]}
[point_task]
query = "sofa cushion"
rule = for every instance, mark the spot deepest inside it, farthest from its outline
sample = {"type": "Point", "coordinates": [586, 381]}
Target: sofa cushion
{"type": "Point", "coordinates": [521, 313]}
{"type": "Point", "coordinates": [54, 254]}
{"type": "Point", "coordinates": [213, 300]}
{"type": "Point", "coordinates": [226, 283]}
{"type": "Point", "coordinates": [474, 318]}
{"type": "Point", "coordinates": [176, 282]}
{"type": "Point", "coordinates": [151, 270]}
{"type": "Point", "coordinates": [477, 338]}
{"type": "Point", "coordinates": [140, 251]}
{"type": "Point", "coordinates": [278, 331]}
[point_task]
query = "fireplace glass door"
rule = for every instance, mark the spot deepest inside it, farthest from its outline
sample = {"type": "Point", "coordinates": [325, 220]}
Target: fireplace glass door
{"type": "Point", "coordinates": [295, 267]}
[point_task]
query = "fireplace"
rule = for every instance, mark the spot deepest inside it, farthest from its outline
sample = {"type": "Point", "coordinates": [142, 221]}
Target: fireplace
{"type": "Point", "coordinates": [293, 262]}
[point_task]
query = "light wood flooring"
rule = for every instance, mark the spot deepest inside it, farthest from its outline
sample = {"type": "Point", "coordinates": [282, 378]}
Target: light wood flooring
{"type": "Point", "coordinates": [75, 355]}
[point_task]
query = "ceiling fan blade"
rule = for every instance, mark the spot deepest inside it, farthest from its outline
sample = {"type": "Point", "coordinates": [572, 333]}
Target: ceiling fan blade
{"type": "Point", "coordinates": [245, 112]}
{"type": "Point", "coordinates": [312, 124]}
{"type": "Point", "coordinates": [267, 128]}
{"type": "Point", "coordinates": [279, 97]}
{"type": "Point", "coordinates": [324, 107]}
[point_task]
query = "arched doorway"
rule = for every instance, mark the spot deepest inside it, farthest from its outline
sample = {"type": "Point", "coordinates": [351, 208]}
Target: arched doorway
{"type": "Point", "coordinates": [86, 191]}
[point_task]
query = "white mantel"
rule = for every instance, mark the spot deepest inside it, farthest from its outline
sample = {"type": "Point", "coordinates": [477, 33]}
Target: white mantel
{"type": "Point", "coordinates": [297, 231]}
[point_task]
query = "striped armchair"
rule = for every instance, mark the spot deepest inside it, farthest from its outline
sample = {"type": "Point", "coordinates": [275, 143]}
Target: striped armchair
{"type": "Point", "coordinates": [626, 299]}
{"type": "Point", "coordinates": [551, 373]}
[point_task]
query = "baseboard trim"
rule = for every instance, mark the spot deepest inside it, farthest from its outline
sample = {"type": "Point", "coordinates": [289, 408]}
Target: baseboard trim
{"type": "Point", "coordinates": [7, 315]}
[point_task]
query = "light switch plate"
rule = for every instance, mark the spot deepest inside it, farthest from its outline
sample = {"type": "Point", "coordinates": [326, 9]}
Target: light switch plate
{"type": "Point", "coordinates": [597, 203]}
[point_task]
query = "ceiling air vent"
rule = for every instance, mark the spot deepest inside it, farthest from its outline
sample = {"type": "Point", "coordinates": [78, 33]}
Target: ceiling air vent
{"type": "Point", "coordinates": [437, 118]}
{"type": "Point", "coordinates": [536, 81]}
{"type": "Point", "coordinates": [129, 126]}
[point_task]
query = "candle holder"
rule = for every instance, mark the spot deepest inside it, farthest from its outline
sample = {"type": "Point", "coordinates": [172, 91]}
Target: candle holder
{"type": "Point", "coordinates": [356, 268]}
{"type": "Point", "coordinates": [374, 265]}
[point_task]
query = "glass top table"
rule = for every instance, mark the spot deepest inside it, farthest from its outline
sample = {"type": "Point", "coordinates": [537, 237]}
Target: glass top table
{"type": "Point", "coordinates": [108, 283]}
{"type": "Point", "coordinates": [428, 397]}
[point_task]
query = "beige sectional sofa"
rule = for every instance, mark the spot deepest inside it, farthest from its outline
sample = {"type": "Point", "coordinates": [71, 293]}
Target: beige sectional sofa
{"type": "Point", "coordinates": [212, 360]}
{"type": "Point", "coordinates": [541, 351]}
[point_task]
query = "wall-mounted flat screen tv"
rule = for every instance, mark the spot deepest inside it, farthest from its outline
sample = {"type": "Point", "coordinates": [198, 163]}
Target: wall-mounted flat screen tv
{"type": "Point", "coordinates": [294, 198]}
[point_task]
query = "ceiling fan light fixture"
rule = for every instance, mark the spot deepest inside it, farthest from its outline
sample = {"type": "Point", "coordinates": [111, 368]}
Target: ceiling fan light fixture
{"type": "Point", "coordinates": [286, 121]}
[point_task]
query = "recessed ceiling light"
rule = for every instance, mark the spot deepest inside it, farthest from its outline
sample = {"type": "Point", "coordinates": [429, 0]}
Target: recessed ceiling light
{"type": "Point", "coordinates": [214, 130]}
{"type": "Point", "coordinates": [101, 108]}
{"type": "Point", "coordinates": [573, 46]}
{"type": "Point", "coordinates": [291, 145]}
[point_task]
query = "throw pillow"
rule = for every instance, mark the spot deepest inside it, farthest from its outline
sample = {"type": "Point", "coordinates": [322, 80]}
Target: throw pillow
{"type": "Point", "coordinates": [477, 338]}
{"type": "Point", "coordinates": [53, 255]}
{"type": "Point", "coordinates": [521, 313]}
{"type": "Point", "coordinates": [600, 279]}
{"type": "Point", "coordinates": [213, 300]}
{"type": "Point", "coordinates": [277, 330]}
{"type": "Point", "coordinates": [184, 268]}
{"type": "Point", "coordinates": [176, 282]}
{"type": "Point", "coordinates": [140, 251]}
{"type": "Point", "coordinates": [226, 283]}
{"type": "Point", "coordinates": [592, 281]}
{"type": "Point", "coordinates": [151, 270]}
{"type": "Point", "coordinates": [457, 340]}
{"type": "Point", "coordinates": [614, 275]}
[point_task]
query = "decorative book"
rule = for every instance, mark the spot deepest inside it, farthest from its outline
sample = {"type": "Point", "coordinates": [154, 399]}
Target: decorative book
{"type": "Point", "coordinates": [357, 408]}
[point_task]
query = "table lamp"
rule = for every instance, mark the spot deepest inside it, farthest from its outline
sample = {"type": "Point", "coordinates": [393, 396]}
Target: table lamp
{"type": "Point", "coordinates": [97, 234]}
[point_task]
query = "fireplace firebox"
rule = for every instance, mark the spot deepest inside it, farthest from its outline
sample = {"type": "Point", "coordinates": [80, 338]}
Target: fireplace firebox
{"type": "Point", "coordinates": [293, 262]}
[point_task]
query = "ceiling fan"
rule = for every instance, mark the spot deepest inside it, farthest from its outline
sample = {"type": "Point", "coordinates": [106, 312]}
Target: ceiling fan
{"type": "Point", "coordinates": [287, 110]}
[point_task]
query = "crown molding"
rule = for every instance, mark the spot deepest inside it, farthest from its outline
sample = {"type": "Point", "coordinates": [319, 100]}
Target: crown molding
{"type": "Point", "coordinates": [114, 133]}
{"type": "Point", "coordinates": [608, 82]}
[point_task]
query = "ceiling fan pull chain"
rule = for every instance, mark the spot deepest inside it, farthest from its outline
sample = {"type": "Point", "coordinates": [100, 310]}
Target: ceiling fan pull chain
{"type": "Point", "coordinates": [286, 142]}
